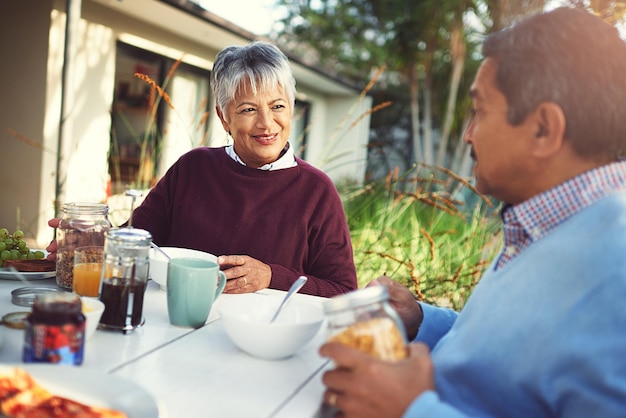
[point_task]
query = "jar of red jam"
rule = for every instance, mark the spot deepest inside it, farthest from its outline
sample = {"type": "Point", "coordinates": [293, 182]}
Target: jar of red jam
{"type": "Point", "coordinates": [55, 330]}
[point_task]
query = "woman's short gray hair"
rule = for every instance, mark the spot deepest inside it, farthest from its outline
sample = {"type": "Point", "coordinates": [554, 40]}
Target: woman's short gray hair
{"type": "Point", "coordinates": [261, 63]}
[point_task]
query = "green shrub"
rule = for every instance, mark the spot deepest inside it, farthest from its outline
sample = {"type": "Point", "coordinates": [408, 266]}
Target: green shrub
{"type": "Point", "coordinates": [413, 229]}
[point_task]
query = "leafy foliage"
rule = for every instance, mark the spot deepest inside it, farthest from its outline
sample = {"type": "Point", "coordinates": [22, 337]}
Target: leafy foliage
{"type": "Point", "coordinates": [436, 243]}
{"type": "Point", "coordinates": [412, 39]}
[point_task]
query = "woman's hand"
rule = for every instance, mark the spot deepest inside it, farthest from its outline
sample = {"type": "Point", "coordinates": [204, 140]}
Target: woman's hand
{"type": "Point", "coordinates": [52, 247]}
{"type": "Point", "coordinates": [244, 274]}
{"type": "Point", "coordinates": [365, 387]}
{"type": "Point", "coordinates": [404, 303]}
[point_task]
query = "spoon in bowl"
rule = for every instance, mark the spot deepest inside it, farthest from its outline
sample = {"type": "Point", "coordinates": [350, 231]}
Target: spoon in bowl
{"type": "Point", "coordinates": [297, 285]}
{"type": "Point", "coordinates": [156, 247]}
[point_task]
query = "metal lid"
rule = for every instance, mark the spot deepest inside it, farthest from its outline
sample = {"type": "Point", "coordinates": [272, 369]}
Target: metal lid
{"type": "Point", "coordinates": [25, 296]}
{"type": "Point", "coordinates": [131, 236]}
{"type": "Point", "coordinates": [15, 320]}
{"type": "Point", "coordinates": [86, 208]}
{"type": "Point", "coordinates": [356, 298]}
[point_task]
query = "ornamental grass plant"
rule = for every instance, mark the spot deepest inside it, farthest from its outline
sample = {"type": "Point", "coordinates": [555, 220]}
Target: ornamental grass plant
{"type": "Point", "coordinates": [410, 228]}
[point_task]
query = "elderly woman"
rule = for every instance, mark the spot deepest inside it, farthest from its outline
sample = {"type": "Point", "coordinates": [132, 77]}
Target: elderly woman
{"type": "Point", "coordinates": [268, 215]}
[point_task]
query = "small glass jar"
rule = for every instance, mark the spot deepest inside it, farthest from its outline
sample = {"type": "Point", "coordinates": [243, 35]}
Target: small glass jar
{"type": "Point", "coordinates": [365, 320]}
{"type": "Point", "coordinates": [55, 330]}
{"type": "Point", "coordinates": [82, 224]}
{"type": "Point", "coordinates": [126, 262]}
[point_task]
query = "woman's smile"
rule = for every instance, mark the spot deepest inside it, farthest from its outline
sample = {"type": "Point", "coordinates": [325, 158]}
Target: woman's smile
{"type": "Point", "coordinates": [266, 139]}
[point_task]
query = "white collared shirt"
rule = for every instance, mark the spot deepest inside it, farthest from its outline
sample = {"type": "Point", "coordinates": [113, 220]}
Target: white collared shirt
{"type": "Point", "coordinates": [287, 160]}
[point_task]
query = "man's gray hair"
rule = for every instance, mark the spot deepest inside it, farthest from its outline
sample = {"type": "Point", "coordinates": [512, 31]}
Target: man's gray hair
{"type": "Point", "coordinates": [261, 63]}
{"type": "Point", "coordinates": [574, 59]}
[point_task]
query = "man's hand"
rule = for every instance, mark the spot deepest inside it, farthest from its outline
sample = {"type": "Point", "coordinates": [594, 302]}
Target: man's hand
{"type": "Point", "coordinates": [365, 387]}
{"type": "Point", "coordinates": [403, 301]}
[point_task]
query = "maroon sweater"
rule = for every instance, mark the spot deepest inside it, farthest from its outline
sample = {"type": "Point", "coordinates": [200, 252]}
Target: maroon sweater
{"type": "Point", "coordinates": [291, 219]}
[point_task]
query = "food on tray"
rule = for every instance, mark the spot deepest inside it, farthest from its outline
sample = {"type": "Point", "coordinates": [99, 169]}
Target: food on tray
{"type": "Point", "coordinates": [31, 266]}
{"type": "Point", "coordinates": [378, 337]}
{"type": "Point", "coordinates": [22, 397]}
{"type": "Point", "coordinates": [13, 247]}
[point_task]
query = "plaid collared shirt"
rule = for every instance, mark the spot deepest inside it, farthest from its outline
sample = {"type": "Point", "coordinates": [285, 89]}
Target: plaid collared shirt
{"type": "Point", "coordinates": [534, 218]}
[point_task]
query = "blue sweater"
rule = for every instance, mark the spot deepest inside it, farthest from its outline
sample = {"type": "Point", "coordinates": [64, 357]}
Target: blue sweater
{"type": "Point", "coordinates": [543, 336]}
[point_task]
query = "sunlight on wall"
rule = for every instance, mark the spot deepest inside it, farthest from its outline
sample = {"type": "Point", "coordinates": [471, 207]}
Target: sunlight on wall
{"type": "Point", "coordinates": [87, 105]}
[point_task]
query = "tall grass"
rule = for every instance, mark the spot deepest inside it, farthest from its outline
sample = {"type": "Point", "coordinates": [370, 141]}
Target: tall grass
{"type": "Point", "coordinates": [148, 141]}
{"type": "Point", "coordinates": [411, 229]}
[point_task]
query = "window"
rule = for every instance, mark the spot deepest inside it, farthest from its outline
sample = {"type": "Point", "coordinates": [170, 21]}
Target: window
{"type": "Point", "coordinates": [149, 131]}
{"type": "Point", "coordinates": [300, 128]}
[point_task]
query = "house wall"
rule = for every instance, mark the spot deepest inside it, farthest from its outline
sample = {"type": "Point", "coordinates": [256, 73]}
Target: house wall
{"type": "Point", "coordinates": [32, 85]}
{"type": "Point", "coordinates": [27, 172]}
{"type": "Point", "coordinates": [342, 123]}
{"type": "Point", "coordinates": [89, 94]}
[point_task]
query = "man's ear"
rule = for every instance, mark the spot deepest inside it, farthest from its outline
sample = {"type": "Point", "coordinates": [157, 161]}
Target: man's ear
{"type": "Point", "coordinates": [225, 124]}
{"type": "Point", "coordinates": [549, 124]}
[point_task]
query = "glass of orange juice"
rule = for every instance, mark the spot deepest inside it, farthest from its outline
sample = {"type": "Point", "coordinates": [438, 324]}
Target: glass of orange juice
{"type": "Point", "coordinates": [87, 270]}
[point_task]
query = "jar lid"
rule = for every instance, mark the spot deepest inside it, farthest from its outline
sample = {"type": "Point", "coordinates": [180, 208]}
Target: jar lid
{"type": "Point", "coordinates": [15, 320]}
{"type": "Point", "coordinates": [356, 299]}
{"type": "Point", "coordinates": [132, 236]}
{"type": "Point", "coordinates": [25, 296]}
{"type": "Point", "coordinates": [86, 208]}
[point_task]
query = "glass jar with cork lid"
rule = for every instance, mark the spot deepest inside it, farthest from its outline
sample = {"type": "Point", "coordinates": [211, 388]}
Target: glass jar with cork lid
{"type": "Point", "coordinates": [82, 224]}
{"type": "Point", "coordinates": [365, 320]}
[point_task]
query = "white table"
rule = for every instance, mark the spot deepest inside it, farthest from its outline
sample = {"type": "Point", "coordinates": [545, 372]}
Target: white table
{"type": "Point", "coordinates": [194, 373]}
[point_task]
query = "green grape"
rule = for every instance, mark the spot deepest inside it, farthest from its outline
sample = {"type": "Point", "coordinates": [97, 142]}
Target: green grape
{"type": "Point", "coordinates": [23, 256]}
{"type": "Point", "coordinates": [9, 242]}
{"type": "Point", "coordinates": [21, 244]}
{"type": "Point", "coordinates": [5, 255]}
{"type": "Point", "coordinates": [3, 246]}
{"type": "Point", "coordinates": [38, 255]}
{"type": "Point", "coordinates": [30, 255]}
{"type": "Point", "coordinates": [4, 233]}
{"type": "Point", "coordinates": [18, 234]}
{"type": "Point", "coordinates": [15, 254]}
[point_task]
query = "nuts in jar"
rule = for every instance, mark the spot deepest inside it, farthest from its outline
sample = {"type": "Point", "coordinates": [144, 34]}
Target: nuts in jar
{"type": "Point", "coordinates": [363, 319]}
{"type": "Point", "coordinates": [82, 224]}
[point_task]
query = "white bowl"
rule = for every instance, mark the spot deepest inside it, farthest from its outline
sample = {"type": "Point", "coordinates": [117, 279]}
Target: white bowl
{"type": "Point", "coordinates": [92, 309]}
{"type": "Point", "coordinates": [246, 318]}
{"type": "Point", "coordinates": [158, 262]}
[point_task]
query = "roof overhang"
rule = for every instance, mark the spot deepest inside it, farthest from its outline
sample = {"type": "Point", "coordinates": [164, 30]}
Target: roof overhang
{"type": "Point", "coordinates": [188, 20]}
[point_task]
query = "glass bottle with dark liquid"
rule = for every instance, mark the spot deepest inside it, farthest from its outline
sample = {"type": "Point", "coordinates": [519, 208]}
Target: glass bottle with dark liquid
{"type": "Point", "coordinates": [123, 300]}
{"type": "Point", "coordinates": [125, 274]}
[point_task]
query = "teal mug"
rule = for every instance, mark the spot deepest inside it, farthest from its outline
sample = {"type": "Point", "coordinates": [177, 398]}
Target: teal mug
{"type": "Point", "coordinates": [193, 285]}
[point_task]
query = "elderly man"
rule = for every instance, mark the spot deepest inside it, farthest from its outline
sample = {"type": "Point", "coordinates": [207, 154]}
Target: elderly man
{"type": "Point", "coordinates": [543, 333]}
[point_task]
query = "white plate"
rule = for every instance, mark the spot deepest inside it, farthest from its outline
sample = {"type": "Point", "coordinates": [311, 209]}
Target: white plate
{"type": "Point", "coordinates": [35, 275]}
{"type": "Point", "coordinates": [93, 387]}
